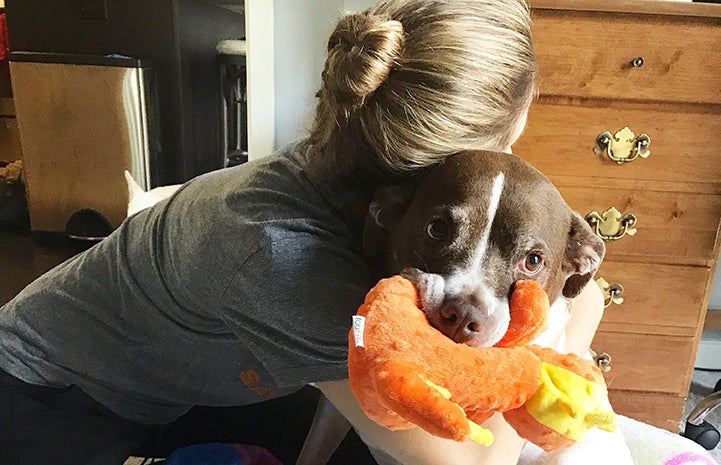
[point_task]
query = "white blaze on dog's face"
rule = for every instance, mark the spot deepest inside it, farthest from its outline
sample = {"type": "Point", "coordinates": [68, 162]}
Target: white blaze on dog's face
{"type": "Point", "coordinates": [473, 227]}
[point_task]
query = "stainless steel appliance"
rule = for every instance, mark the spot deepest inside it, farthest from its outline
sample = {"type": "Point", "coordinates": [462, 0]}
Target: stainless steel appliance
{"type": "Point", "coordinates": [83, 120]}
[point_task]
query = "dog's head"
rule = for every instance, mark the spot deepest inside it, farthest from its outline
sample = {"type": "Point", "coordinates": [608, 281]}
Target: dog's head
{"type": "Point", "coordinates": [469, 229]}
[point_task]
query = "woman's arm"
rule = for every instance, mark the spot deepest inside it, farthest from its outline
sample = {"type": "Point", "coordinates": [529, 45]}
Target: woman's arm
{"type": "Point", "coordinates": [416, 446]}
{"type": "Point", "coordinates": [586, 313]}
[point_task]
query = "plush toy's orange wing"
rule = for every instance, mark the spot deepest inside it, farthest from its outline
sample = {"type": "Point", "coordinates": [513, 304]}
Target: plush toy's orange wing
{"type": "Point", "coordinates": [389, 386]}
{"type": "Point", "coordinates": [529, 314]}
{"type": "Point", "coordinates": [401, 351]}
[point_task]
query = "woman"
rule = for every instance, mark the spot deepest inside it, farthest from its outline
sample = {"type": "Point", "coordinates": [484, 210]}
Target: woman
{"type": "Point", "coordinates": [240, 287]}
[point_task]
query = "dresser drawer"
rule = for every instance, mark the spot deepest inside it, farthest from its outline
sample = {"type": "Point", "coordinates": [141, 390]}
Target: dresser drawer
{"type": "Point", "coordinates": [560, 140]}
{"type": "Point", "coordinates": [660, 410]}
{"type": "Point", "coordinates": [647, 362]}
{"type": "Point", "coordinates": [658, 299]}
{"type": "Point", "coordinates": [671, 227]}
{"type": "Point", "coordinates": [590, 54]}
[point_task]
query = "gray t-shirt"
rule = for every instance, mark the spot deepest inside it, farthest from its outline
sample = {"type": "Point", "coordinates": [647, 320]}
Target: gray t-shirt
{"type": "Point", "coordinates": [237, 289]}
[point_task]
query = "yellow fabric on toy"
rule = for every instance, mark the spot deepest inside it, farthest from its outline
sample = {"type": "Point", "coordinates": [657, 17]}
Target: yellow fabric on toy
{"type": "Point", "coordinates": [569, 404]}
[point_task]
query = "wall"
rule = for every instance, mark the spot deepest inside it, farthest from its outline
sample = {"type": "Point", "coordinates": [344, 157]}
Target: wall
{"type": "Point", "coordinates": [715, 299]}
{"type": "Point", "coordinates": [302, 28]}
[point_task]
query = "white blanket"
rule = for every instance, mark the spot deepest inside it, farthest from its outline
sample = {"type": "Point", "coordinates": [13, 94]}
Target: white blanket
{"type": "Point", "coordinates": [635, 443]}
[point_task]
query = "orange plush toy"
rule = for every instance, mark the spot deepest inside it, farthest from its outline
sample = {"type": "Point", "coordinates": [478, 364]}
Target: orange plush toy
{"type": "Point", "coordinates": [405, 373]}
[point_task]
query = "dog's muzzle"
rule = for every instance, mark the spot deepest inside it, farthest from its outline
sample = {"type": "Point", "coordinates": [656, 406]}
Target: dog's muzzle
{"type": "Point", "coordinates": [467, 314]}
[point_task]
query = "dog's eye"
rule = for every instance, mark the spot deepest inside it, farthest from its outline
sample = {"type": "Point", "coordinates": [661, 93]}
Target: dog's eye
{"type": "Point", "coordinates": [437, 229]}
{"type": "Point", "coordinates": [532, 263]}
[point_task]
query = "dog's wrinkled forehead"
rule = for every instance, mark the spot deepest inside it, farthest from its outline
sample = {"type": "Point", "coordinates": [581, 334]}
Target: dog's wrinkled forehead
{"type": "Point", "coordinates": [477, 180]}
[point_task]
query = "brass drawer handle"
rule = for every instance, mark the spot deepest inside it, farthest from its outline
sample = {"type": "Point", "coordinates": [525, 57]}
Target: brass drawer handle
{"type": "Point", "coordinates": [624, 146]}
{"type": "Point", "coordinates": [611, 292]}
{"type": "Point", "coordinates": [611, 225]}
{"type": "Point", "coordinates": [602, 360]}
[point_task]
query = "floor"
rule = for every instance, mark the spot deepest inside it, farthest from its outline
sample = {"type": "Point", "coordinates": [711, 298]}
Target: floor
{"type": "Point", "coordinates": [702, 384]}
{"type": "Point", "coordinates": [23, 258]}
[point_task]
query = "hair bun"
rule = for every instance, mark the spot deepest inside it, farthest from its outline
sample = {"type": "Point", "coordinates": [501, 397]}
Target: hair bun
{"type": "Point", "coordinates": [362, 51]}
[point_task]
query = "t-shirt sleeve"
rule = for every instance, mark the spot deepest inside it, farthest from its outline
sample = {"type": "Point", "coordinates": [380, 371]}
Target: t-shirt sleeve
{"type": "Point", "coordinates": [292, 304]}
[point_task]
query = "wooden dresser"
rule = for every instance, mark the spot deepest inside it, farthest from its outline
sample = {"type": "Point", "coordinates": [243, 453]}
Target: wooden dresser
{"type": "Point", "coordinates": [653, 67]}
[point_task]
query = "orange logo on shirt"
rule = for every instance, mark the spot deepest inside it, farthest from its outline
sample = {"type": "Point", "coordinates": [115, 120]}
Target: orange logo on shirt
{"type": "Point", "coordinates": [251, 379]}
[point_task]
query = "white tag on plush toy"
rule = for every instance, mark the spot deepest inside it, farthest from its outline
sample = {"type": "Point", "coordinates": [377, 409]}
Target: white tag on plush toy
{"type": "Point", "coordinates": [359, 327]}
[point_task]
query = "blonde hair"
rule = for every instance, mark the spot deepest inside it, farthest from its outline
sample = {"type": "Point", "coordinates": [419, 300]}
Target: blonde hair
{"type": "Point", "coordinates": [408, 82]}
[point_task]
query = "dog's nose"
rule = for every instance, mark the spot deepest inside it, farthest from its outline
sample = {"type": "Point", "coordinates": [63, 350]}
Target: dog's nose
{"type": "Point", "coordinates": [464, 321]}
{"type": "Point", "coordinates": [468, 314]}
{"type": "Point", "coordinates": [475, 319]}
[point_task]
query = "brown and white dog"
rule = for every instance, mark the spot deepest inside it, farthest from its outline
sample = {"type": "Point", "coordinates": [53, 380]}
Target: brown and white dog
{"type": "Point", "coordinates": [464, 233]}
{"type": "Point", "coordinates": [472, 227]}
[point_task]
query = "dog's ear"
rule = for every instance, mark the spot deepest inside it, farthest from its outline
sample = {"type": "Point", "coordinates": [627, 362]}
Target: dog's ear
{"type": "Point", "coordinates": [389, 204]}
{"type": "Point", "coordinates": [584, 253]}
